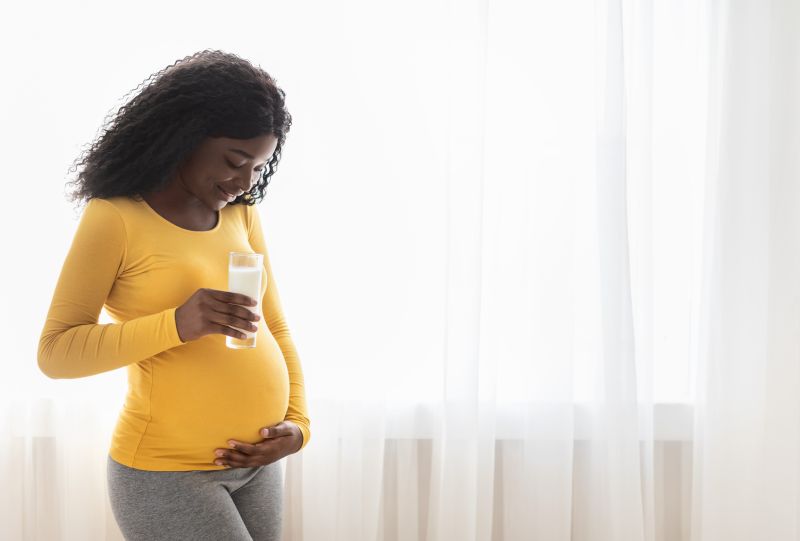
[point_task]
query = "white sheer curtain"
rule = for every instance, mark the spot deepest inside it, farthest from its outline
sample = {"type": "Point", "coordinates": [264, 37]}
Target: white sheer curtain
{"type": "Point", "coordinates": [502, 231]}
{"type": "Point", "coordinates": [518, 310]}
{"type": "Point", "coordinates": [747, 430]}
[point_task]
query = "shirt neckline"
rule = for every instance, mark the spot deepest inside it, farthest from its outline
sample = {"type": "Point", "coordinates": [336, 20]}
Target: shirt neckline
{"type": "Point", "coordinates": [176, 226]}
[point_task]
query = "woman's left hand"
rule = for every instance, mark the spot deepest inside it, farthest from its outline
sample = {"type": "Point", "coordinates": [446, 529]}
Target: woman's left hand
{"type": "Point", "coordinates": [279, 441]}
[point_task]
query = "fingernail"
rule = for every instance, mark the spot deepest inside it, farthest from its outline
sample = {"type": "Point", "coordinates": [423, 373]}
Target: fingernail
{"type": "Point", "coordinates": [232, 444]}
{"type": "Point", "coordinates": [219, 453]}
{"type": "Point", "coordinates": [265, 432]}
{"type": "Point", "coordinates": [218, 462]}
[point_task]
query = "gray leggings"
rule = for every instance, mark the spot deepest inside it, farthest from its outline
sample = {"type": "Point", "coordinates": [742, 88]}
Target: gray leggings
{"type": "Point", "coordinates": [237, 504]}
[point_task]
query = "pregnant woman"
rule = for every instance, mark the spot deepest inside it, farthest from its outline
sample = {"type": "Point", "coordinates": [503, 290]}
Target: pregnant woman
{"type": "Point", "coordinates": [170, 188]}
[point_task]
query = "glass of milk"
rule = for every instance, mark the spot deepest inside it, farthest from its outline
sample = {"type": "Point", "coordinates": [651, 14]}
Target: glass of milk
{"type": "Point", "coordinates": [244, 276]}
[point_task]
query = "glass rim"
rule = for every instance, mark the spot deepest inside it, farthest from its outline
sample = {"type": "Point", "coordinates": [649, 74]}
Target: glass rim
{"type": "Point", "coordinates": [245, 259]}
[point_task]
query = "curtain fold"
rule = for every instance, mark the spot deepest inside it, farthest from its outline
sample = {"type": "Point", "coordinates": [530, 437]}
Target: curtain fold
{"type": "Point", "coordinates": [748, 349]}
{"type": "Point", "coordinates": [620, 490]}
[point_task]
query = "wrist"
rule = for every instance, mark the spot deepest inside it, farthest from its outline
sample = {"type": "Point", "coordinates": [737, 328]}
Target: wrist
{"type": "Point", "coordinates": [297, 438]}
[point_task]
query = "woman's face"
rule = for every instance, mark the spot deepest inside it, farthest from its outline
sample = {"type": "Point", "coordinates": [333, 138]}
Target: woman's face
{"type": "Point", "coordinates": [221, 163]}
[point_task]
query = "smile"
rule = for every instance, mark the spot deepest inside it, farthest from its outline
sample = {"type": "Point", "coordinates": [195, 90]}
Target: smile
{"type": "Point", "coordinates": [227, 196]}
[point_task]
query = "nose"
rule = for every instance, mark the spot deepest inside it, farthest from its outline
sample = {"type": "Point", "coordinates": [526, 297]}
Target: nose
{"type": "Point", "coordinates": [245, 183]}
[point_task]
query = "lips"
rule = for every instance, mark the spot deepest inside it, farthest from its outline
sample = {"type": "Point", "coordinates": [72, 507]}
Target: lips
{"type": "Point", "coordinates": [227, 196]}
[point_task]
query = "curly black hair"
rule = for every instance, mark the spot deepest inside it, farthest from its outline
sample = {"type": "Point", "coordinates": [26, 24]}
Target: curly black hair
{"type": "Point", "coordinates": [208, 94]}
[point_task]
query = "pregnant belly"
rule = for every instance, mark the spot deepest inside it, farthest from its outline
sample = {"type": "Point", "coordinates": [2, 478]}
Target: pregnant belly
{"type": "Point", "coordinates": [197, 402]}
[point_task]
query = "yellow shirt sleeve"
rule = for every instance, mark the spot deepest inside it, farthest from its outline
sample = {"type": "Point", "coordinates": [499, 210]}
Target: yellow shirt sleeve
{"type": "Point", "coordinates": [72, 343]}
{"type": "Point", "coordinates": [297, 411]}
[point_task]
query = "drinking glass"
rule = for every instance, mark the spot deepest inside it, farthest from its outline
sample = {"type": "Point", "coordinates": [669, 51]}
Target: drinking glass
{"type": "Point", "coordinates": [244, 276]}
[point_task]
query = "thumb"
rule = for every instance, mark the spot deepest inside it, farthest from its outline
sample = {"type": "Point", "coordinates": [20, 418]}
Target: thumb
{"type": "Point", "coordinates": [267, 432]}
{"type": "Point", "coordinates": [280, 429]}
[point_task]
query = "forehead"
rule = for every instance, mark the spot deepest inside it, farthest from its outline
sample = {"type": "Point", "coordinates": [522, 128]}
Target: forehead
{"type": "Point", "coordinates": [258, 148]}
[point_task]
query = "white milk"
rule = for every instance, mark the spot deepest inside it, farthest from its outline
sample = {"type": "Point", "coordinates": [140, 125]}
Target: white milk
{"type": "Point", "coordinates": [247, 281]}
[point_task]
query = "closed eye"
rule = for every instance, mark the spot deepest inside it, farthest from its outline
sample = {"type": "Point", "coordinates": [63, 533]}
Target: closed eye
{"type": "Point", "coordinates": [242, 165]}
{"type": "Point", "coordinates": [235, 166]}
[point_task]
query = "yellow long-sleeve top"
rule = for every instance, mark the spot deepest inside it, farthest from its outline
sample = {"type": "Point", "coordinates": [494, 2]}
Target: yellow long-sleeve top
{"type": "Point", "coordinates": [184, 399]}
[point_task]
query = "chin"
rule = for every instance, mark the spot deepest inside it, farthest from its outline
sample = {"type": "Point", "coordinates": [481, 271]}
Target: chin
{"type": "Point", "coordinates": [217, 204]}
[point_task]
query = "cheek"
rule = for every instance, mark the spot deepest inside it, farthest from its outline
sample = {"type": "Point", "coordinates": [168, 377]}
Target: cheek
{"type": "Point", "coordinates": [200, 176]}
{"type": "Point", "coordinates": [219, 174]}
{"type": "Point", "coordinates": [210, 169]}
{"type": "Point", "coordinates": [204, 184]}
{"type": "Point", "coordinates": [212, 177]}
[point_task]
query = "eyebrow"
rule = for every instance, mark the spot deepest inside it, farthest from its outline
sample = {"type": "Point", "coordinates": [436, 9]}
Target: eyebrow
{"type": "Point", "coordinates": [243, 153]}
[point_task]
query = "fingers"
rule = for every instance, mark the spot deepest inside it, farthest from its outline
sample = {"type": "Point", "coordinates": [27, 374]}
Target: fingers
{"type": "Point", "coordinates": [224, 329]}
{"type": "Point", "coordinates": [233, 315]}
{"type": "Point", "coordinates": [244, 448]}
{"type": "Point", "coordinates": [246, 323]}
{"type": "Point", "coordinates": [232, 298]}
{"type": "Point", "coordinates": [245, 455]}
{"type": "Point", "coordinates": [280, 429]}
{"type": "Point", "coordinates": [233, 457]}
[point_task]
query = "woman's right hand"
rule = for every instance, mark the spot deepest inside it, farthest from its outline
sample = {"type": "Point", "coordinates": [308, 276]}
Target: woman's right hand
{"type": "Point", "coordinates": [211, 311]}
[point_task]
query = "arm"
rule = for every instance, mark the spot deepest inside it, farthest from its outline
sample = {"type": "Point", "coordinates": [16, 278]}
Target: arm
{"type": "Point", "coordinates": [297, 411]}
{"type": "Point", "coordinates": [72, 343]}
